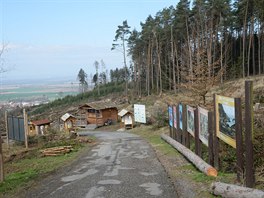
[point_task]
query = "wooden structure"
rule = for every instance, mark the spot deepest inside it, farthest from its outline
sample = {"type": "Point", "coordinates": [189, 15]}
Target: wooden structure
{"type": "Point", "coordinates": [99, 113]}
{"type": "Point", "coordinates": [38, 127]}
{"type": "Point", "coordinates": [126, 119]}
{"type": "Point", "coordinates": [68, 121]}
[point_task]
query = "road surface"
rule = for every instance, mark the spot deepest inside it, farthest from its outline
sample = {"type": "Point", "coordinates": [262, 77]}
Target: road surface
{"type": "Point", "coordinates": [121, 165]}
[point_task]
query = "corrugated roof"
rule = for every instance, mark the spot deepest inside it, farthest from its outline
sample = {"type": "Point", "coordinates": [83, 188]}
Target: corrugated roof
{"type": "Point", "coordinates": [100, 105]}
{"type": "Point", "coordinates": [41, 122]}
{"type": "Point", "coordinates": [66, 116]}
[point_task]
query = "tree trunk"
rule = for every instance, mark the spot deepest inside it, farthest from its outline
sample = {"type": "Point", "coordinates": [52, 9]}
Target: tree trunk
{"type": "Point", "coordinates": [253, 46]}
{"type": "Point", "coordinates": [152, 66]}
{"type": "Point", "coordinates": [124, 56]}
{"type": "Point", "coordinates": [259, 50]}
{"type": "Point", "coordinates": [148, 69]}
{"type": "Point", "coordinates": [196, 160]}
{"type": "Point", "coordinates": [189, 49]}
{"type": "Point", "coordinates": [177, 64]}
{"type": "Point", "coordinates": [244, 40]}
{"type": "Point", "coordinates": [173, 63]}
{"type": "Point", "coordinates": [234, 191]}
{"type": "Point", "coordinates": [221, 57]}
{"type": "Point", "coordinates": [249, 49]}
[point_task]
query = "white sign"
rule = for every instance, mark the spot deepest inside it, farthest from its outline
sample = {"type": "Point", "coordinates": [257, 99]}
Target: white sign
{"type": "Point", "coordinates": [139, 113]}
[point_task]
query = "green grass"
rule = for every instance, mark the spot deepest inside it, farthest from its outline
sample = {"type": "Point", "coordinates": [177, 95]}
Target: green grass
{"type": "Point", "coordinates": [16, 180]}
{"type": "Point", "coordinates": [23, 172]}
{"type": "Point", "coordinates": [153, 137]}
{"type": "Point", "coordinates": [181, 169]}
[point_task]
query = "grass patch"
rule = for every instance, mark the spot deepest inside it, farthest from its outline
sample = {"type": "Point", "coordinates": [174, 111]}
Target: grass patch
{"type": "Point", "coordinates": [179, 167]}
{"type": "Point", "coordinates": [153, 137]}
{"type": "Point", "coordinates": [15, 180]}
{"type": "Point", "coordinates": [21, 173]}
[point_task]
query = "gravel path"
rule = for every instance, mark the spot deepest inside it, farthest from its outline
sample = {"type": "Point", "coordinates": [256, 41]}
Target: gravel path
{"type": "Point", "coordinates": [121, 165]}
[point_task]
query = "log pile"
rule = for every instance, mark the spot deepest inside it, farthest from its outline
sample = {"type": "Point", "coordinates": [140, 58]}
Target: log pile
{"type": "Point", "coordinates": [55, 151]}
{"type": "Point", "coordinates": [195, 159]}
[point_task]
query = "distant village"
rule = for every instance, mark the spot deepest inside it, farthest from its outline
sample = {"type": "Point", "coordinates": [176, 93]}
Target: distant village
{"type": "Point", "coordinates": [23, 103]}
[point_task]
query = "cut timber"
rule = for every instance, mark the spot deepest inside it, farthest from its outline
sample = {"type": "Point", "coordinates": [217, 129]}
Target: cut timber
{"type": "Point", "coordinates": [234, 191]}
{"type": "Point", "coordinates": [54, 151]}
{"type": "Point", "coordinates": [195, 159]}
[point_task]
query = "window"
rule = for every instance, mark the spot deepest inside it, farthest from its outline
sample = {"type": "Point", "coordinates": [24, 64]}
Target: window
{"type": "Point", "coordinates": [91, 110]}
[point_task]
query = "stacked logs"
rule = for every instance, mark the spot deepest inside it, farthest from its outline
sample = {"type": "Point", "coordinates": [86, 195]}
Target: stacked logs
{"type": "Point", "coordinates": [55, 151]}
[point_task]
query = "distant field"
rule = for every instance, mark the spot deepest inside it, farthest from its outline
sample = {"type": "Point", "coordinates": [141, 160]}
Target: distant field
{"type": "Point", "coordinates": [20, 93]}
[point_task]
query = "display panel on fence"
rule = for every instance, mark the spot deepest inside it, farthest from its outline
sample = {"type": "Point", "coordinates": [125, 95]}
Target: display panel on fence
{"type": "Point", "coordinates": [225, 119]}
{"type": "Point", "coordinates": [170, 116]}
{"type": "Point", "coordinates": [190, 120]}
{"type": "Point", "coordinates": [180, 116]}
{"type": "Point", "coordinates": [203, 125]}
{"type": "Point", "coordinates": [175, 116]}
{"type": "Point", "coordinates": [139, 113]}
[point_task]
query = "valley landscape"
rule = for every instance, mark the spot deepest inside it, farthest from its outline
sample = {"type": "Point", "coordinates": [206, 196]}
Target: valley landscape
{"type": "Point", "coordinates": [29, 94]}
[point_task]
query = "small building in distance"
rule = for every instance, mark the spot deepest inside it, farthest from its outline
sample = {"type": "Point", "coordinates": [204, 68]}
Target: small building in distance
{"type": "Point", "coordinates": [126, 119]}
{"type": "Point", "coordinates": [69, 121]}
{"type": "Point", "coordinates": [99, 113]}
{"type": "Point", "coordinates": [38, 127]}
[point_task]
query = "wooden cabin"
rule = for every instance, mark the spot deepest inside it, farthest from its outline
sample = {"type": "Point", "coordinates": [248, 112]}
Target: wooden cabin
{"type": "Point", "coordinates": [126, 118]}
{"type": "Point", "coordinates": [69, 121]}
{"type": "Point", "coordinates": [38, 127]}
{"type": "Point", "coordinates": [99, 113]}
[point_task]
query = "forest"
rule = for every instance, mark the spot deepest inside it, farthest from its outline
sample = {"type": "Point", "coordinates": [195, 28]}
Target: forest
{"type": "Point", "coordinates": [198, 43]}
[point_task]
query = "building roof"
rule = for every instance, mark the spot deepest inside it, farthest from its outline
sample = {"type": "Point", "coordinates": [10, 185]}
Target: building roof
{"type": "Point", "coordinates": [100, 105]}
{"type": "Point", "coordinates": [41, 122]}
{"type": "Point", "coordinates": [123, 112]}
{"type": "Point", "coordinates": [66, 116]}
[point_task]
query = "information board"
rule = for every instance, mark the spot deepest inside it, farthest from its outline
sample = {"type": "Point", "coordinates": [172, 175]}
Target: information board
{"type": "Point", "coordinates": [140, 113]}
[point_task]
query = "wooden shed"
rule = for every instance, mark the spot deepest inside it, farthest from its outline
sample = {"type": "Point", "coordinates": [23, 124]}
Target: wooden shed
{"type": "Point", "coordinates": [68, 121]}
{"type": "Point", "coordinates": [100, 113]}
{"type": "Point", "coordinates": [126, 119]}
{"type": "Point", "coordinates": [38, 127]}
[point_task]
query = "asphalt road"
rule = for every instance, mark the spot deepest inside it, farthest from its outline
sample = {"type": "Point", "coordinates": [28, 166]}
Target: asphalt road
{"type": "Point", "coordinates": [121, 165]}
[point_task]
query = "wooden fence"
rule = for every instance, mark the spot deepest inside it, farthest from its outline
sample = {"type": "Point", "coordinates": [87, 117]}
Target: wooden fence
{"type": "Point", "coordinates": [223, 123]}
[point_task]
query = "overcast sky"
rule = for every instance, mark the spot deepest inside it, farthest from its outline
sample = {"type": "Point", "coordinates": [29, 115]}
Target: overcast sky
{"type": "Point", "coordinates": [55, 38]}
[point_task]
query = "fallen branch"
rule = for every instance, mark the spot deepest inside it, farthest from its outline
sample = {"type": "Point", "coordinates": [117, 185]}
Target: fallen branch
{"type": "Point", "coordinates": [234, 191]}
{"type": "Point", "coordinates": [195, 159]}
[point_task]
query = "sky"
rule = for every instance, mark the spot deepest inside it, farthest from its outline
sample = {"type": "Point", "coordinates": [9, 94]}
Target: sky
{"type": "Point", "coordinates": [56, 38]}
